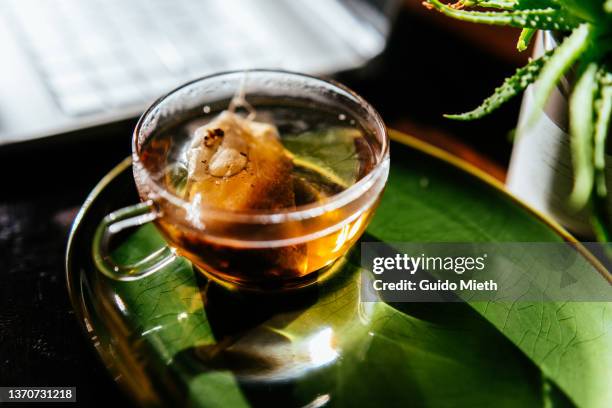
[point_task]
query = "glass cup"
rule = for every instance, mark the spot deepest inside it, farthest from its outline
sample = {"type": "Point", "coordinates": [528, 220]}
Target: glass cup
{"type": "Point", "coordinates": [251, 249]}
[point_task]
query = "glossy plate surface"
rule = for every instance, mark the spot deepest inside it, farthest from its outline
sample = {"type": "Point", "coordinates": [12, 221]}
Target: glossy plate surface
{"type": "Point", "coordinates": [173, 337]}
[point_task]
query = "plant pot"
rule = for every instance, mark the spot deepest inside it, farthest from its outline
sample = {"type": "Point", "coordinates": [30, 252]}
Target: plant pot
{"type": "Point", "coordinates": [541, 171]}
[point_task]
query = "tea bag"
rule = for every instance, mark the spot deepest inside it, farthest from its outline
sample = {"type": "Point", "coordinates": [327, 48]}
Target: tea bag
{"type": "Point", "coordinates": [238, 164]}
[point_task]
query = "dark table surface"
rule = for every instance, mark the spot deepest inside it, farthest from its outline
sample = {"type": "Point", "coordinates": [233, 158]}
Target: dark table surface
{"type": "Point", "coordinates": [427, 70]}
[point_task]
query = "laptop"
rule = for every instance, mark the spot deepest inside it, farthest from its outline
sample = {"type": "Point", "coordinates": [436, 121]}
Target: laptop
{"type": "Point", "coordinates": [76, 64]}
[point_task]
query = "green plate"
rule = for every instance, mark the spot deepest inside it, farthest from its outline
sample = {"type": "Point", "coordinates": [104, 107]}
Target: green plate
{"type": "Point", "coordinates": [175, 339]}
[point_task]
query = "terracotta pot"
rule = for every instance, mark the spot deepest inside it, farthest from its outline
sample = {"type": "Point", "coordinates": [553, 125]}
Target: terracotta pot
{"type": "Point", "coordinates": [541, 170]}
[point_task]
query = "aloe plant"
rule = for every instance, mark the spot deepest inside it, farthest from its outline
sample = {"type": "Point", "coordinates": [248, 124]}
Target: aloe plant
{"type": "Point", "coordinates": [586, 45]}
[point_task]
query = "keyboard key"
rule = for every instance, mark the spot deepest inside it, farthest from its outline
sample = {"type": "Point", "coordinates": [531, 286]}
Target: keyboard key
{"type": "Point", "coordinates": [169, 56]}
{"type": "Point", "coordinates": [81, 103]}
{"type": "Point", "coordinates": [112, 75]}
{"type": "Point", "coordinates": [61, 65]}
{"type": "Point", "coordinates": [122, 95]}
{"type": "Point", "coordinates": [77, 83]}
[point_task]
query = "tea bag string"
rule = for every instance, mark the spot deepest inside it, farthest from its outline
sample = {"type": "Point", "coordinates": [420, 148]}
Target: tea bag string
{"type": "Point", "coordinates": [239, 100]}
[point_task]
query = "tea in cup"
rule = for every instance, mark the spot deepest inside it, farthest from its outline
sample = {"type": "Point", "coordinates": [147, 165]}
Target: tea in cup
{"type": "Point", "coordinates": [262, 179]}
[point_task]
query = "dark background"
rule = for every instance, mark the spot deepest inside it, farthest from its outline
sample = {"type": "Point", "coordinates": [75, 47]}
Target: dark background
{"type": "Point", "coordinates": [432, 65]}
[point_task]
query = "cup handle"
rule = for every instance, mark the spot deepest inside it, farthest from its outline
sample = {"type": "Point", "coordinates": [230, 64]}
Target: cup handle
{"type": "Point", "coordinates": [117, 221]}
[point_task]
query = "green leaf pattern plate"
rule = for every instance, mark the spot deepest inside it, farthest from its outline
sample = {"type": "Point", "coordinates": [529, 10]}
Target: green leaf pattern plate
{"type": "Point", "coordinates": [174, 338]}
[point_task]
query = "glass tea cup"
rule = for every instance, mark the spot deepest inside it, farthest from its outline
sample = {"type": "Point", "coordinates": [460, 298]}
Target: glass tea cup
{"type": "Point", "coordinates": [255, 249]}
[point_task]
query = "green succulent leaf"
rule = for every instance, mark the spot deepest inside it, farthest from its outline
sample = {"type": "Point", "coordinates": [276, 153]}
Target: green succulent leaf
{"type": "Point", "coordinates": [563, 57]}
{"type": "Point", "coordinates": [525, 38]}
{"type": "Point", "coordinates": [581, 141]}
{"type": "Point", "coordinates": [604, 111]}
{"type": "Point", "coordinates": [500, 4]}
{"type": "Point", "coordinates": [602, 124]}
{"type": "Point", "coordinates": [537, 4]}
{"type": "Point", "coordinates": [545, 19]}
{"type": "Point", "coordinates": [510, 4]}
{"type": "Point", "coordinates": [601, 215]}
{"type": "Point", "coordinates": [588, 10]}
{"type": "Point", "coordinates": [599, 225]}
{"type": "Point", "coordinates": [511, 87]}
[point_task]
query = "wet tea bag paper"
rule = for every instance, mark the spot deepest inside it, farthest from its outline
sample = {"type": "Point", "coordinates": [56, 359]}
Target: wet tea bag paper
{"type": "Point", "coordinates": [239, 164]}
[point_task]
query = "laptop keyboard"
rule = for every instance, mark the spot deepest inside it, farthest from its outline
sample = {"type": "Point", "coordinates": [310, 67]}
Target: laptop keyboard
{"type": "Point", "coordinates": [109, 54]}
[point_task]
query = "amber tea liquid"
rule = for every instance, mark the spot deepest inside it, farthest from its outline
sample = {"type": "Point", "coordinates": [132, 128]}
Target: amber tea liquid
{"type": "Point", "coordinates": [319, 154]}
